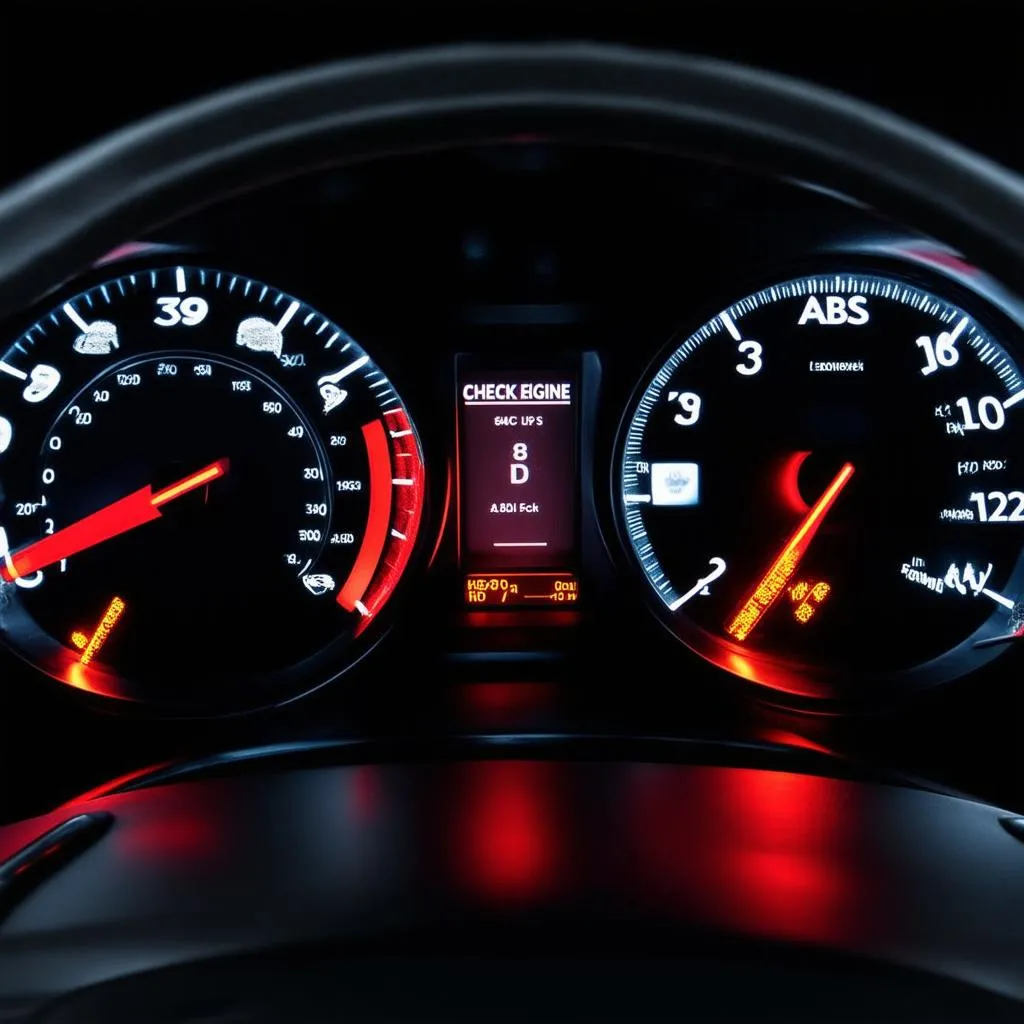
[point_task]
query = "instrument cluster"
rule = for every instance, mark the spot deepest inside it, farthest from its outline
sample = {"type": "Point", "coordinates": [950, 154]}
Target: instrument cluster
{"type": "Point", "coordinates": [510, 403]}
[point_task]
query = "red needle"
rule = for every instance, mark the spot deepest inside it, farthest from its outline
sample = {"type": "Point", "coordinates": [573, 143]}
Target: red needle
{"type": "Point", "coordinates": [782, 569]}
{"type": "Point", "coordinates": [116, 518]}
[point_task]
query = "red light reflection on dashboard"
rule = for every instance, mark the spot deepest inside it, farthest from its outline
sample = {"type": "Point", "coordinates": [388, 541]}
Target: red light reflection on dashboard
{"type": "Point", "coordinates": [365, 792]}
{"type": "Point", "coordinates": [940, 258]}
{"type": "Point", "coordinates": [184, 828]}
{"type": "Point", "coordinates": [754, 851]}
{"type": "Point", "coordinates": [508, 832]}
{"type": "Point", "coordinates": [762, 671]}
{"type": "Point", "coordinates": [785, 738]}
{"type": "Point", "coordinates": [504, 705]}
{"type": "Point", "coordinates": [113, 785]}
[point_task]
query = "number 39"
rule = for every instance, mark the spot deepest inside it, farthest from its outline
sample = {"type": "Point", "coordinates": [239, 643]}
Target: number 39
{"type": "Point", "coordinates": [188, 311]}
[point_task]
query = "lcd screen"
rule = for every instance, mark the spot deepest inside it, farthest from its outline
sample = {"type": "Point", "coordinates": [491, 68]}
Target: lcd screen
{"type": "Point", "coordinates": [517, 478]}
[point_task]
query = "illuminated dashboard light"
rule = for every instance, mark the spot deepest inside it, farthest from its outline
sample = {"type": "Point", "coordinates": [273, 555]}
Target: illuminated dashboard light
{"type": "Point", "coordinates": [785, 565]}
{"type": "Point", "coordinates": [807, 596]}
{"type": "Point", "coordinates": [110, 619]}
{"type": "Point", "coordinates": [484, 590]}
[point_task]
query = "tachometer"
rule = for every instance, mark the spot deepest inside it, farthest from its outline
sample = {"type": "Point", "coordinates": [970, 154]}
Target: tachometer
{"type": "Point", "coordinates": [823, 487]}
{"type": "Point", "coordinates": [210, 491]}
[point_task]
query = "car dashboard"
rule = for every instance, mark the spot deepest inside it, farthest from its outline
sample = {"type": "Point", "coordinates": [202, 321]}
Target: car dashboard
{"type": "Point", "coordinates": [536, 506]}
{"type": "Point", "coordinates": [478, 466]}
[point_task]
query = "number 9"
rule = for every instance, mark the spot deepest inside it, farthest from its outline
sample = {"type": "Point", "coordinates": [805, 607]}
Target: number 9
{"type": "Point", "coordinates": [690, 404]}
{"type": "Point", "coordinates": [193, 310]}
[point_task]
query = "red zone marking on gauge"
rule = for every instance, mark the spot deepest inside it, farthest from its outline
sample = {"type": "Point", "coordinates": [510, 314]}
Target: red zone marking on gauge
{"type": "Point", "coordinates": [387, 546]}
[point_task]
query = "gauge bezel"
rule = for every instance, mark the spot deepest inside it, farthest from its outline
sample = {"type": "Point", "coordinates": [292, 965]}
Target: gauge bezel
{"type": "Point", "coordinates": [774, 680]}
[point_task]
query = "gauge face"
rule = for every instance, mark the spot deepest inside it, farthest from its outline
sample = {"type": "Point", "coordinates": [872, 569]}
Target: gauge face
{"type": "Point", "coordinates": [210, 491]}
{"type": "Point", "coordinates": [824, 490]}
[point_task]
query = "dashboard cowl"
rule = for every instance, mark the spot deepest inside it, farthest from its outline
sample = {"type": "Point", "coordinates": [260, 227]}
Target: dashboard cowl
{"type": "Point", "coordinates": [396, 852]}
{"type": "Point", "coordinates": [63, 218]}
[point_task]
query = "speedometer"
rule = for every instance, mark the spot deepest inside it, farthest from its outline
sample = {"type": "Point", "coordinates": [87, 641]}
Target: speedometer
{"type": "Point", "coordinates": [210, 491]}
{"type": "Point", "coordinates": [823, 487]}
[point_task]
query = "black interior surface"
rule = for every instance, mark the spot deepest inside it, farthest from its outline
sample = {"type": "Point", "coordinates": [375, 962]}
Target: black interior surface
{"type": "Point", "coordinates": [651, 981]}
{"type": "Point", "coordinates": [877, 56]}
{"type": "Point", "coordinates": [560, 890]}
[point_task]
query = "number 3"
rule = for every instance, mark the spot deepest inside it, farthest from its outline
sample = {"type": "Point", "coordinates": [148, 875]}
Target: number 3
{"type": "Point", "coordinates": [752, 350]}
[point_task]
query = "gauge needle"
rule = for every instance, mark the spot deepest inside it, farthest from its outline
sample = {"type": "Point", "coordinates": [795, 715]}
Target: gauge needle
{"type": "Point", "coordinates": [785, 564]}
{"type": "Point", "coordinates": [143, 506]}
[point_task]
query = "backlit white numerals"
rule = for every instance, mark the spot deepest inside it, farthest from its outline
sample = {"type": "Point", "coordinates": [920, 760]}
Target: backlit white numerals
{"type": "Point", "coordinates": [942, 351]}
{"type": "Point", "coordinates": [689, 404]}
{"type": "Point", "coordinates": [989, 414]}
{"type": "Point", "coordinates": [716, 566]}
{"type": "Point", "coordinates": [176, 310]}
{"type": "Point", "coordinates": [6, 434]}
{"type": "Point", "coordinates": [79, 416]}
{"type": "Point", "coordinates": [992, 507]}
{"type": "Point", "coordinates": [752, 350]}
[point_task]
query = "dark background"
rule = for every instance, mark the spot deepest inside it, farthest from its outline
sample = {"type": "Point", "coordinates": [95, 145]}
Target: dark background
{"type": "Point", "coordinates": [72, 71]}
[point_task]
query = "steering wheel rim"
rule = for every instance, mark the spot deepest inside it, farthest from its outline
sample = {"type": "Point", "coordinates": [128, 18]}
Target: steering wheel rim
{"type": "Point", "coordinates": [61, 219]}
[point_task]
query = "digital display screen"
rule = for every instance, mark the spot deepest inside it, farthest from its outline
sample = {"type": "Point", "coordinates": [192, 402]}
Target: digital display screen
{"type": "Point", "coordinates": [517, 474]}
{"type": "Point", "coordinates": [506, 589]}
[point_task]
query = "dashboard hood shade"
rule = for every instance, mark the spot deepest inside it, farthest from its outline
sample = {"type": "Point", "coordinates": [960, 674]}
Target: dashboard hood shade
{"type": "Point", "coordinates": [69, 214]}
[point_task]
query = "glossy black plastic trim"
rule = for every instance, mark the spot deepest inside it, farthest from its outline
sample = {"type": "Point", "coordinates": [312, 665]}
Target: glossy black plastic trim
{"type": "Point", "coordinates": [33, 864]}
{"type": "Point", "coordinates": [1014, 826]}
{"type": "Point", "coordinates": [513, 746]}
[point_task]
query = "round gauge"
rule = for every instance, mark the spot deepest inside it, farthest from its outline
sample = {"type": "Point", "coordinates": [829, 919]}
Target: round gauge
{"type": "Point", "coordinates": [209, 492]}
{"type": "Point", "coordinates": [823, 487]}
